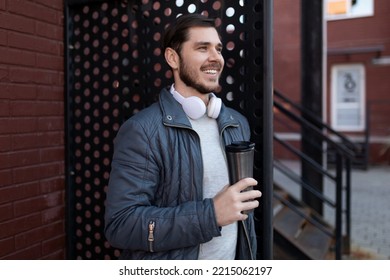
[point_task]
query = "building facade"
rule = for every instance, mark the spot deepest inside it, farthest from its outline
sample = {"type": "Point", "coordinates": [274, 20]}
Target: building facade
{"type": "Point", "coordinates": [356, 69]}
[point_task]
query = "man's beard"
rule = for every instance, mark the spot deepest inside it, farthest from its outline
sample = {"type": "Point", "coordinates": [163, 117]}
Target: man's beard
{"type": "Point", "coordinates": [189, 79]}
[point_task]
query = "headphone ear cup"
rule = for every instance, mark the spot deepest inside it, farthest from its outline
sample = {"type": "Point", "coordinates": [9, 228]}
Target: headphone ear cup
{"type": "Point", "coordinates": [194, 107]}
{"type": "Point", "coordinates": [214, 107]}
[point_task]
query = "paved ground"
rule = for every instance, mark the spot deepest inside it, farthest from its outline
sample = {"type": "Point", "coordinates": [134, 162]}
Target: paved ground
{"type": "Point", "coordinates": [370, 217]}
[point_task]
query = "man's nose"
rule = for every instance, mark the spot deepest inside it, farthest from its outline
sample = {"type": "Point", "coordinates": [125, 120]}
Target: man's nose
{"type": "Point", "coordinates": [215, 55]}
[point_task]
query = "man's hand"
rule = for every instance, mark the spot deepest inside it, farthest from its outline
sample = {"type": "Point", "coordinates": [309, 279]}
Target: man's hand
{"type": "Point", "coordinates": [232, 200]}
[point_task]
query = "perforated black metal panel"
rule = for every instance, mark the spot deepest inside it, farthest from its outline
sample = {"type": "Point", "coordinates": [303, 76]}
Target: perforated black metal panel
{"type": "Point", "coordinates": [115, 68]}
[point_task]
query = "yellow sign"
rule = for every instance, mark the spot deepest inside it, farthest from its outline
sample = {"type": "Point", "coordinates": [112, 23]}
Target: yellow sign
{"type": "Point", "coordinates": [338, 7]}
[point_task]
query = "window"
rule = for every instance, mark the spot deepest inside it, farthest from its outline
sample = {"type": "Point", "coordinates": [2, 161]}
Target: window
{"type": "Point", "coordinates": [348, 97]}
{"type": "Point", "coordinates": [344, 9]}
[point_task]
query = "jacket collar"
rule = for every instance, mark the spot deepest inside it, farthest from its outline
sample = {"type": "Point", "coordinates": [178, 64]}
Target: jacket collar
{"type": "Point", "coordinates": [173, 114]}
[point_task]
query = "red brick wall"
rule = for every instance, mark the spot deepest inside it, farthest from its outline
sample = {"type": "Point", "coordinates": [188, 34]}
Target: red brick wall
{"type": "Point", "coordinates": [287, 44]}
{"type": "Point", "coordinates": [31, 130]}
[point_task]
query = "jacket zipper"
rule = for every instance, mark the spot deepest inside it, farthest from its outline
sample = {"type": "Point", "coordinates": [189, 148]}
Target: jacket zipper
{"type": "Point", "coordinates": [152, 225]}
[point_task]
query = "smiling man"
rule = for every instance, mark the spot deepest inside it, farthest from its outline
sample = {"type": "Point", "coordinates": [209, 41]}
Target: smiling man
{"type": "Point", "coordinates": [169, 195]}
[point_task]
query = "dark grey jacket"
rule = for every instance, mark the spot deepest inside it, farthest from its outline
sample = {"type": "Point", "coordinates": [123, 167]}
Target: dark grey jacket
{"type": "Point", "coordinates": [155, 208]}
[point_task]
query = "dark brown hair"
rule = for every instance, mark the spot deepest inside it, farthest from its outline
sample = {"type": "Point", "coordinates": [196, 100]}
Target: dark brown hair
{"type": "Point", "coordinates": [177, 32]}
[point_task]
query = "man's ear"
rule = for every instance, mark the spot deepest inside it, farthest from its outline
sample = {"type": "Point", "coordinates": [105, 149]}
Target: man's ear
{"type": "Point", "coordinates": [172, 58]}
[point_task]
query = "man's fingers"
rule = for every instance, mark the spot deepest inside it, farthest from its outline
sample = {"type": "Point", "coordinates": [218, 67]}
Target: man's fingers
{"type": "Point", "coordinates": [250, 195]}
{"type": "Point", "coordinates": [249, 205]}
{"type": "Point", "coordinates": [245, 183]}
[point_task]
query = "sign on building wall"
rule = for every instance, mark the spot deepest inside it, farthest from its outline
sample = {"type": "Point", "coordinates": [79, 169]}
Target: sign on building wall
{"type": "Point", "coordinates": [343, 9]}
{"type": "Point", "coordinates": [348, 97]}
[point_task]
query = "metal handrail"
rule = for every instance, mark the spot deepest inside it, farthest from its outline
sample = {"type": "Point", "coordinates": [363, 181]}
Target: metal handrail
{"type": "Point", "coordinates": [305, 157]}
{"type": "Point", "coordinates": [290, 174]}
{"type": "Point", "coordinates": [308, 124]}
{"type": "Point", "coordinates": [345, 153]}
{"type": "Point", "coordinates": [318, 122]}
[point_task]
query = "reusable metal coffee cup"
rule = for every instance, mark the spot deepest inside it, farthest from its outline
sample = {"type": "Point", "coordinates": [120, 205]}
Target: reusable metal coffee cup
{"type": "Point", "coordinates": [240, 156]}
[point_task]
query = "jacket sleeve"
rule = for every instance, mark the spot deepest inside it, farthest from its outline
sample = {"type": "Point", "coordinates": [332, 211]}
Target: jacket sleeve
{"type": "Point", "coordinates": [132, 220]}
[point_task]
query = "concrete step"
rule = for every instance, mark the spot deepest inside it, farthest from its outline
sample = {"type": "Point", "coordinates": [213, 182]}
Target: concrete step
{"type": "Point", "coordinates": [304, 236]}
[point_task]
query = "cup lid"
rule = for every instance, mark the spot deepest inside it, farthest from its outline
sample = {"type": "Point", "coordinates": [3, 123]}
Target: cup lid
{"type": "Point", "coordinates": [240, 146]}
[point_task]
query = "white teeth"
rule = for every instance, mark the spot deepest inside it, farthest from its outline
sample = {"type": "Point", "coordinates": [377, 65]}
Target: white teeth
{"type": "Point", "coordinates": [211, 71]}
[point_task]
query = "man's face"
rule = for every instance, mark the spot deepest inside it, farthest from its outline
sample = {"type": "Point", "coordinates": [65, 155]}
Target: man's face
{"type": "Point", "coordinates": [201, 61]}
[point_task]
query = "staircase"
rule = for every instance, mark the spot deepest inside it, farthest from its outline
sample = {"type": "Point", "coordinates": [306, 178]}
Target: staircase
{"type": "Point", "coordinates": [295, 236]}
{"type": "Point", "coordinates": [299, 231]}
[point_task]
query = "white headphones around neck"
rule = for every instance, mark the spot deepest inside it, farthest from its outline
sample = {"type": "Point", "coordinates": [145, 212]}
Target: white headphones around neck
{"type": "Point", "coordinates": [195, 108]}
